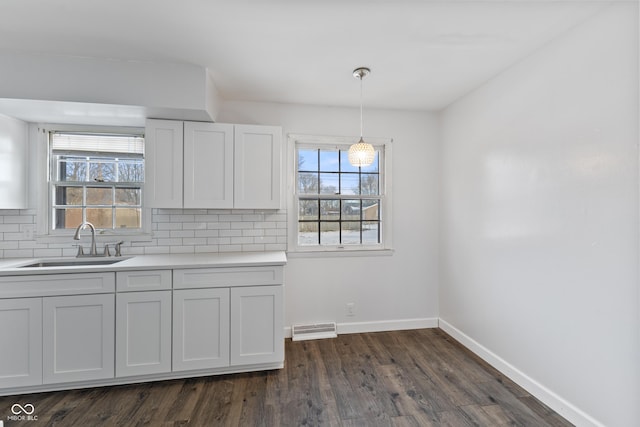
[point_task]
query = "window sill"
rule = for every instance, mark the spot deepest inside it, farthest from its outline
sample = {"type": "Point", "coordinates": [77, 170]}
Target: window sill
{"type": "Point", "coordinates": [335, 253]}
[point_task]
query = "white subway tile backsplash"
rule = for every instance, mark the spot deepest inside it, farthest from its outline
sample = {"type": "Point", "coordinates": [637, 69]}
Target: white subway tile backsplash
{"type": "Point", "coordinates": [12, 236]}
{"type": "Point", "coordinates": [18, 219]}
{"type": "Point", "coordinates": [252, 232]}
{"type": "Point", "coordinates": [229, 218]}
{"type": "Point", "coordinates": [22, 253]}
{"type": "Point", "coordinates": [10, 228]}
{"type": "Point", "coordinates": [8, 244]}
{"type": "Point", "coordinates": [169, 226]}
{"type": "Point", "coordinates": [241, 225]}
{"type": "Point", "coordinates": [170, 242]}
{"type": "Point", "coordinates": [181, 233]}
{"type": "Point", "coordinates": [173, 231]}
{"type": "Point", "coordinates": [182, 218]}
{"type": "Point", "coordinates": [41, 253]}
{"type": "Point", "coordinates": [194, 241]}
{"type": "Point", "coordinates": [241, 240]}
{"type": "Point", "coordinates": [280, 247]}
{"type": "Point", "coordinates": [253, 248]}
{"type": "Point", "coordinates": [230, 248]}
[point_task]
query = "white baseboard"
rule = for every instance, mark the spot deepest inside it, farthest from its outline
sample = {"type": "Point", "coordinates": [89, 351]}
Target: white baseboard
{"type": "Point", "coordinates": [380, 326]}
{"type": "Point", "coordinates": [548, 397]}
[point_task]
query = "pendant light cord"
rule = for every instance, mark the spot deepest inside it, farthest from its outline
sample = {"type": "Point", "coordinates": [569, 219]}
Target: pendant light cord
{"type": "Point", "coordinates": [361, 126]}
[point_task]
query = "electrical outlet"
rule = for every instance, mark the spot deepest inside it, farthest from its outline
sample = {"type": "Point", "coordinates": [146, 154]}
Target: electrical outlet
{"type": "Point", "coordinates": [27, 232]}
{"type": "Point", "coordinates": [351, 309]}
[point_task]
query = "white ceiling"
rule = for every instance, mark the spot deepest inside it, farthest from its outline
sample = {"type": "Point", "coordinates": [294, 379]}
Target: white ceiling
{"type": "Point", "coordinates": [423, 54]}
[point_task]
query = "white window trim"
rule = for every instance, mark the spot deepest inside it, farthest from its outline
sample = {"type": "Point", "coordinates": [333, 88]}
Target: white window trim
{"type": "Point", "coordinates": [385, 248]}
{"type": "Point", "coordinates": [40, 146]}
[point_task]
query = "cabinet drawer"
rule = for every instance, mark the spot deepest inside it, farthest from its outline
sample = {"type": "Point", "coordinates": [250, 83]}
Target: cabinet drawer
{"type": "Point", "coordinates": [148, 280]}
{"type": "Point", "coordinates": [219, 277]}
{"type": "Point", "coordinates": [57, 284]}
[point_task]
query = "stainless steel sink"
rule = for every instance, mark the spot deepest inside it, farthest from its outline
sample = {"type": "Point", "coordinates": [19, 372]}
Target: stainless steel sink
{"type": "Point", "coordinates": [73, 262]}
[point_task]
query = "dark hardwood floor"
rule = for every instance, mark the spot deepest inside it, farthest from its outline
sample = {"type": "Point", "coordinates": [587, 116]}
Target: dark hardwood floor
{"type": "Point", "coordinates": [401, 378]}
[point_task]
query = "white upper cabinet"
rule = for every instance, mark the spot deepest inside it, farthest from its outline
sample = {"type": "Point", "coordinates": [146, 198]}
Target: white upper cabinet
{"type": "Point", "coordinates": [212, 165]}
{"type": "Point", "coordinates": [163, 164]}
{"type": "Point", "coordinates": [208, 165]}
{"type": "Point", "coordinates": [257, 166]}
{"type": "Point", "coordinates": [13, 163]}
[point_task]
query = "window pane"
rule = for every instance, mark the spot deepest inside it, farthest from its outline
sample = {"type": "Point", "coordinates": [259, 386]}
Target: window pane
{"type": "Point", "coordinates": [128, 217]}
{"type": "Point", "coordinates": [130, 171]}
{"type": "Point", "coordinates": [371, 210]}
{"type": "Point", "coordinates": [350, 210]}
{"type": "Point", "coordinates": [72, 170]}
{"type": "Point", "coordinates": [370, 232]}
{"type": "Point", "coordinates": [102, 171]}
{"type": "Point", "coordinates": [99, 196]}
{"type": "Point", "coordinates": [351, 232]}
{"type": "Point", "coordinates": [329, 233]}
{"type": "Point", "coordinates": [345, 166]}
{"type": "Point", "coordinates": [308, 209]}
{"type": "Point", "coordinates": [100, 217]}
{"type": "Point", "coordinates": [128, 196]}
{"type": "Point", "coordinates": [67, 218]}
{"type": "Point", "coordinates": [308, 183]}
{"type": "Point", "coordinates": [349, 183]}
{"type": "Point", "coordinates": [308, 233]}
{"type": "Point", "coordinates": [329, 161]}
{"type": "Point", "coordinates": [68, 195]}
{"type": "Point", "coordinates": [307, 160]}
{"type": "Point", "coordinates": [330, 210]}
{"type": "Point", "coordinates": [369, 184]}
{"type": "Point", "coordinates": [329, 183]}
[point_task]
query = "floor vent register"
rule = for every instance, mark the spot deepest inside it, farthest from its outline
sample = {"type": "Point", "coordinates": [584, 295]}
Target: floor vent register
{"type": "Point", "coordinates": [313, 332]}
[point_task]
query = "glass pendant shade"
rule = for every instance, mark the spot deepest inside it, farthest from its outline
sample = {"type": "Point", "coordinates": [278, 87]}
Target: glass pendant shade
{"type": "Point", "coordinates": [361, 154]}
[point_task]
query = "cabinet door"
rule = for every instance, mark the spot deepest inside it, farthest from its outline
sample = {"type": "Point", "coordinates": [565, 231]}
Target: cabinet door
{"type": "Point", "coordinates": [78, 338]}
{"type": "Point", "coordinates": [257, 172]}
{"type": "Point", "coordinates": [14, 163]}
{"type": "Point", "coordinates": [200, 328]}
{"type": "Point", "coordinates": [20, 342]}
{"type": "Point", "coordinates": [143, 333]}
{"type": "Point", "coordinates": [257, 334]}
{"type": "Point", "coordinates": [163, 164]}
{"type": "Point", "coordinates": [208, 165]}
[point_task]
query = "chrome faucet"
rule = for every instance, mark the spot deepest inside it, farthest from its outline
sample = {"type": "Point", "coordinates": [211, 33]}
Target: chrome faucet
{"type": "Point", "coordinates": [93, 251]}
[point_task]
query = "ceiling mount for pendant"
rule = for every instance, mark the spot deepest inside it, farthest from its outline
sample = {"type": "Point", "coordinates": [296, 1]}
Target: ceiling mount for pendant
{"type": "Point", "coordinates": [361, 154]}
{"type": "Point", "coordinates": [361, 73]}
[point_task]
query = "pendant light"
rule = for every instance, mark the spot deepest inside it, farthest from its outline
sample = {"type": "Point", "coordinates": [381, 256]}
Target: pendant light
{"type": "Point", "coordinates": [361, 153]}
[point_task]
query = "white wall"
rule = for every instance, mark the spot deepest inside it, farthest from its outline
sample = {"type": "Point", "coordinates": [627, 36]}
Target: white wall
{"type": "Point", "coordinates": [389, 291]}
{"type": "Point", "coordinates": [539, 260]}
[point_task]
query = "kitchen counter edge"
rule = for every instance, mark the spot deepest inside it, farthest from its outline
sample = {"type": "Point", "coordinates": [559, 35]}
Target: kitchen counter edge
{"type": "Point", "coordinates": [13, 267]}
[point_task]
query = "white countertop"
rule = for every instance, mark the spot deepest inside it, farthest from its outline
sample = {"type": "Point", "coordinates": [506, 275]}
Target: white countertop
{"type": "Point", "coordinates": [12, 267]}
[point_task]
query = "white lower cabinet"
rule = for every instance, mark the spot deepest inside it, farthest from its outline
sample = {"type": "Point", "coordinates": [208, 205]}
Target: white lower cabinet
{"type": "Point", "coordinates": [103, 328]}
{"type": "Point", "coordinates": [143, 333]}
{"type": "Point", "coordinates": [257, 334]}
{"type": "Point", "coordinates": [200, 328]}
{"type": "Point", "coordinates": [78, 338]}
{"type": "Point", "coordinates": [20, 342]}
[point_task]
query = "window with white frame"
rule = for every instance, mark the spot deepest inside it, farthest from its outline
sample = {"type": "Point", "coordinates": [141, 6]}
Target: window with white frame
{"type": "Point", "coordinates": [339, 206]}
{"type": "Point", "coordinates": [96, 177]}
